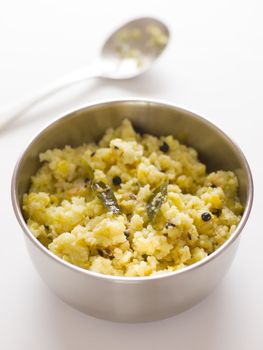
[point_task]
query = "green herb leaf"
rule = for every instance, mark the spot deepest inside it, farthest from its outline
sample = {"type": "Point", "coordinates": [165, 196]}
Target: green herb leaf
{"type": "Point", "coordinates": [156, 200]}
{"type": "Point", "coordinates": [89, 172]}
{"type": "Point", "coordinates": [106, 196]}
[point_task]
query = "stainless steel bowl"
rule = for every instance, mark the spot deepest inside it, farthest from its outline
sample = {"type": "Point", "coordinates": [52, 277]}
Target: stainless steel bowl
{"type": "Point", "coordinates": [133, 299]}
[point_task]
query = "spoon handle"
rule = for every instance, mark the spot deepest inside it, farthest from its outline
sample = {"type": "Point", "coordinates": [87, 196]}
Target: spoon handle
{"type": "Point", "coordinates": [9, 115]}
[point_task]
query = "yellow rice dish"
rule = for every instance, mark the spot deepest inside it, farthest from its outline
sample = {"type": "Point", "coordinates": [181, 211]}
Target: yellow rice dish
{"type": "Point", "coordinates": [131, 205]}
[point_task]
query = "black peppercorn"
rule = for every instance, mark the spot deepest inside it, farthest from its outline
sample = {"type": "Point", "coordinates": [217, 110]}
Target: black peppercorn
{"type": "Point", "coordinates": [206, 216]}
{"type": "Point", "coordinates": [164, 147]}
{"type": "Point", "coordinates": [116, 180]}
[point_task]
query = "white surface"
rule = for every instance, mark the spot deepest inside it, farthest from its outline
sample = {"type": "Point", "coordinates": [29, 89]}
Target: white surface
{"type": "Point", "coordinates": [213, 67]}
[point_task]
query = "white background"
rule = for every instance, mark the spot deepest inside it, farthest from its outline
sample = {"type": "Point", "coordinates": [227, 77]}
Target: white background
{"type": "Point", "coordinates": [213, 67]}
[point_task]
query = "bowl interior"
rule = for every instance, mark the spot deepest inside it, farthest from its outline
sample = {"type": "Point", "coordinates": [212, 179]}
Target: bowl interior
{"type": "Point", "coordinates": [215, 149]}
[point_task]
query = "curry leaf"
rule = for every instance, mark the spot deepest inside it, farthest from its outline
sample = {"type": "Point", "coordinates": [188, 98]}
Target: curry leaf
{"type": "Point", "coordinates": [156, 200]}
{"type": "Point", "coordinates": [106, 196]}
{"type": "Point", "coordinates": [89, 172]}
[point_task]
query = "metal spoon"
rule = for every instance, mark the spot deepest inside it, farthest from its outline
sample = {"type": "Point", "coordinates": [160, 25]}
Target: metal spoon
{"type": "Point", "coordinates": [127, 53]}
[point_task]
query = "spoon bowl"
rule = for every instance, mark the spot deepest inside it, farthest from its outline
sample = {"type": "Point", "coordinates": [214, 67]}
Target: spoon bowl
{"type": "Point", "coordinates": [133, 48]}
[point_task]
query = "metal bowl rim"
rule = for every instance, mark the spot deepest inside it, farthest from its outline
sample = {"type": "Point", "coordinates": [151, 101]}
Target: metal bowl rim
{"type": "Point", "coordinates": [123, 279]}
